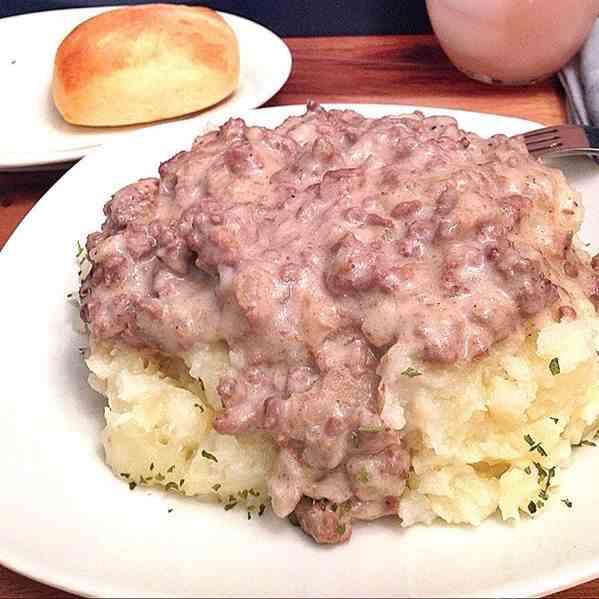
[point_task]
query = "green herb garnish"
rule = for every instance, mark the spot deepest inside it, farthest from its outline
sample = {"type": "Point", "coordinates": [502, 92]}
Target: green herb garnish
{"type": "Point", "coordinates": [345, 507]}
{"type": "Point", "coordinates": [208, 456]}
{"type": "Point", "coordinates": [363, 476]}
{"type": "Point", "coordinates": [535, 446]}
{"type": "Point", "coordinates": [541, 471]}
{"type": "Point", "coordinates": [216, 487]}
{"type": "Point", "coordinates": [371, 429]}
{"type": "Point", "coordinates": [554, 366]}
{"type": "Point", "coordinates": [550, 475]}
{"type": "Point", "coordinates": [132, 485]}
{"type": "Point", "coordinates": [585, 442]}
{"type": "Point", "coordinates": [230, 506]}
{"type": "Point", "coordinates": [80, 249]}
{"type": "Point", "coordinates": [411, 372]}
{"type": "Point", "coordinates": [532, 508]}
{"type": "Point", "coordinates": [340, 529]}
{"type": "Point", "coordinates": [567, 502]}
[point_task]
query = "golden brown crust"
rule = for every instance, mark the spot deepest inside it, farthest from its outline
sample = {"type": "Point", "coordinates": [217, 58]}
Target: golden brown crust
{"type": "Point", "coordinates": [144, 63]}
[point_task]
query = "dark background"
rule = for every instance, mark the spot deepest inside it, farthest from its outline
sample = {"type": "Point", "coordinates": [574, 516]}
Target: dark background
{"type": "Point", "coordinates": [287, 17]}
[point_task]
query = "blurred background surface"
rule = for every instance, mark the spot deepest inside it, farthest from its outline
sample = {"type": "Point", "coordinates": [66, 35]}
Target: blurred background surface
{"type": "Point", "coordinates": [287, 17]}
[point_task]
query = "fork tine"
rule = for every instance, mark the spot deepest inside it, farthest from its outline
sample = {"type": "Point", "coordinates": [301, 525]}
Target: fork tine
{"type": "Point", "coordinates": [545, 143]}
{"type": "Point", "coordinates": [562, 140]}
{"type": "Point", "coordinates": [545, 138]}
{"type": "Point", "coordinates": [540, 132]}
{"type": "Point", "coordinates": [542, 148]}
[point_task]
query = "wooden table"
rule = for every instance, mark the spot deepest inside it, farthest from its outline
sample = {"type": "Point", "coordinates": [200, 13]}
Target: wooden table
{"type": "Point", "coordinates": [393, 70]}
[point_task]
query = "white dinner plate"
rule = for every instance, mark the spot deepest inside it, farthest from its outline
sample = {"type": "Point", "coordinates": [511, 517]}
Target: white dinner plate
{"type": "Point", "coordinates": [32, 132]}
{"type": "Point", "coordinates": [67, 521]}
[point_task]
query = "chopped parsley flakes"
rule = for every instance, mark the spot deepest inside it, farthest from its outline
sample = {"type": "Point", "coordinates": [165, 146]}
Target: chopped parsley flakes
{"type": "Point", "coordinates": [411, 372]}
{"type": "Point", "coordinates": [586, 442]}
{"type": "Point", "coordinates": [554, 366]}
{"type": "Point", "coordinates": [533, 446]}
{"type": "Point", "coordinates": [208, 455]}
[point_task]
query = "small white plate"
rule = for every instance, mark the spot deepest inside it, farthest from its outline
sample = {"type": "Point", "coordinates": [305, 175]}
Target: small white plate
{"type": "Point", "coordinates": [66, 520]}
{"type": "Point", "coordinates": [32, 132]}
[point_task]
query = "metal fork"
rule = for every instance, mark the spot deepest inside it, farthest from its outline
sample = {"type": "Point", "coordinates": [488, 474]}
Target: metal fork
{"type": "Point", "coordinates": [563, 140]}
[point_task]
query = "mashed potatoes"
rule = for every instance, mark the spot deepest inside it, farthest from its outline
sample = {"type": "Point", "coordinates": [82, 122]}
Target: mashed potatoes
{"type": "Point", "coordinates": [490, 435]}
{"type": "Point", "coordinates": [495, 434]}
{"type": "Point", "coordinates": [158, 426]}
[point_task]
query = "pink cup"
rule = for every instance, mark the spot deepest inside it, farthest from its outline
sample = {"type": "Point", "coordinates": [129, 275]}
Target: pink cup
{"type": "Point", "coordinates": [514, 42]}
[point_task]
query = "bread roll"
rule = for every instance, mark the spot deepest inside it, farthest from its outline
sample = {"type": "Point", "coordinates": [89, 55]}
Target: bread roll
{"type": "Point", "coordinates": [144, 63]}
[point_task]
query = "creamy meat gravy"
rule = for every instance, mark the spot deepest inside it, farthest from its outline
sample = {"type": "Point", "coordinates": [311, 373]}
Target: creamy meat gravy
{"type": "Point", "coordinates": [311, 249]}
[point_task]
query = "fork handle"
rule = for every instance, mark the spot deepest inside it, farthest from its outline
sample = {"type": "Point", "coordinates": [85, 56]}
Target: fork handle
{"type": "Point", "coordinates": [592, 134]}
